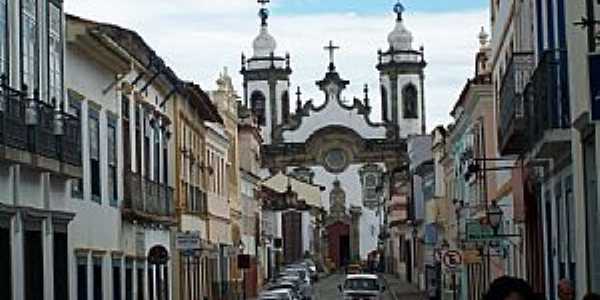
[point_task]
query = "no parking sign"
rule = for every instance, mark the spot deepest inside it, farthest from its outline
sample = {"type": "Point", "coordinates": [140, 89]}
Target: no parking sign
{"type": "Point", "coordinates": [452, 259]}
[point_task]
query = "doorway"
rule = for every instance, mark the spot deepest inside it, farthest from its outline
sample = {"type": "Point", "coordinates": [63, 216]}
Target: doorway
{"type": "Point", "coordinates": [344, 250]}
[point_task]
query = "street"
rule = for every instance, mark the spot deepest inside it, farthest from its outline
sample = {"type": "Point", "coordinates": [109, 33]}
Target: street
{"type": "Point", "coordinates": [327, 289]}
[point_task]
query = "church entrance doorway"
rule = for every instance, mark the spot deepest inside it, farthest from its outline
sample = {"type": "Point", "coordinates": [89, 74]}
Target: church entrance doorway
{"type": "Point", "coordinates": [339, 244]}
{"type": "Point", "coordinates": [344, 250]}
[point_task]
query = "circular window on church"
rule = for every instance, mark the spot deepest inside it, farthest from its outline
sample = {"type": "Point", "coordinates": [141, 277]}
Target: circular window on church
{"type": "Point", "coordinates": [336, 160]}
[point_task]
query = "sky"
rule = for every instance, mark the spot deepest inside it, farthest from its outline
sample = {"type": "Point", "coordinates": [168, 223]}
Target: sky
{"type": "Point", "coordinates": [199, 38]}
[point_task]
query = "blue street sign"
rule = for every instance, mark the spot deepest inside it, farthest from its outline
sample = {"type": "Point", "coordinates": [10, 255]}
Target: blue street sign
{"type": "Point", "coordinates": [594, 65]}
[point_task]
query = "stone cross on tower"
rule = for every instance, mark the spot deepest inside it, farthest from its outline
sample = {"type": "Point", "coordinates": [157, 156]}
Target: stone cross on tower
{"type": "Point", "coordinates": [331, 49]}
{"type": "Point", "coordinates": [399, 10]}
{"type": "Point", "coordinates": [264, 12]}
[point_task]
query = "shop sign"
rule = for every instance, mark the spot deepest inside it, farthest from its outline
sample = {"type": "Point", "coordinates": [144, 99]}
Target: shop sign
{"type": "Point", "coordinates": [187, 241]}
{"type": "Point", "coordinates": [476, 231]}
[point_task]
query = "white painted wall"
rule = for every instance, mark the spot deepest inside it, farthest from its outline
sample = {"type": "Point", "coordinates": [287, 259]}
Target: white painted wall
{"type": "Point", "coordinates": [333, 115]}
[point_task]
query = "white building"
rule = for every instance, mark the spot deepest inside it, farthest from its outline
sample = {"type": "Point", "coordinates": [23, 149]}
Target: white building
{"type": "Point", "coordinates": [40, 151]}
{"type": "Point", "coordinates": [121, 246]}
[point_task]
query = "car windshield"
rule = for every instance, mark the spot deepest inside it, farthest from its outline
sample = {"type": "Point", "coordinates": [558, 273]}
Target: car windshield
{"type": "Point", "coordinates": [361, 284]}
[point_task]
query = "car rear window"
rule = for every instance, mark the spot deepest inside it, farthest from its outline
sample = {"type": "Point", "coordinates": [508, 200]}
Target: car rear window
{"type": "Point", "coordinates": [362, 284]}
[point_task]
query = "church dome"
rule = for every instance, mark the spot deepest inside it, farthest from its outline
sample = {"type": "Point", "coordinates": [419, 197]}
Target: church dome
{"type": "Point", "coordinates": [264, 43]}
{"type": "Point", "coordinates": [400, 38]}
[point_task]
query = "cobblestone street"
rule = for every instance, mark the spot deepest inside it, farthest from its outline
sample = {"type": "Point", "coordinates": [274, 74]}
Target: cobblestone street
{"type": "Point", "coordinates": [327, 289]}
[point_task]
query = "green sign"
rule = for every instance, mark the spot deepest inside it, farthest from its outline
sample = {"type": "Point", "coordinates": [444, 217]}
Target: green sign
{"type": "Point", "coordinates": [478, 232]}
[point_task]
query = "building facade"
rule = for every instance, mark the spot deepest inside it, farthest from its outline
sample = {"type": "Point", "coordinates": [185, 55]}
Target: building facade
{"type": "Point", "coordinates": [40, 153]}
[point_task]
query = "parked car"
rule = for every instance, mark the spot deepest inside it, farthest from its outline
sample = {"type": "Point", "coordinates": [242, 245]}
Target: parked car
{"type": "Point", "coordinates": [306, 289]}
{"type": "Point", "coordinates": [278, 294]}
{"type": "Point", "coordinates": [312, 268]}
{"type": "Point", "coordinates": [353, 269]}
{"type": "Point", "coordinates": [362, 286]}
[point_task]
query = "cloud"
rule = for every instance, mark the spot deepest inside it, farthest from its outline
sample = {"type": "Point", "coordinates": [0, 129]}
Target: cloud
{"type": "Point", "coordinates": [200, 37]}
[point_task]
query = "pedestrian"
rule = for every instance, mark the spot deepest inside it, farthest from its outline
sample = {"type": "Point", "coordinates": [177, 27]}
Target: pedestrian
{"type": "Point", "coordinates": [591, 296]}
{"type": "Point", "coordinates": [565, 290]}
{"type": "Point", "coordinates": [509, 288]}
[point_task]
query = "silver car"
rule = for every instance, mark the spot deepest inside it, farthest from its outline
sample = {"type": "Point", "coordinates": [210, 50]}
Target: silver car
{"type": "Point", "coordinates": [362, 286]}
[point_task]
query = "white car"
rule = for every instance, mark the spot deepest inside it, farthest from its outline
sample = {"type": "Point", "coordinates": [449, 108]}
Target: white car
{"type": "Point", "coordinates": [277, 294]}
{"type": "Point", "coordinates": [362, 286]}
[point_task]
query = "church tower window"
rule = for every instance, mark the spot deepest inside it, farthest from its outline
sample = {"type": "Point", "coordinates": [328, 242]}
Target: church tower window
{"type": "Point", "coordinates": [410, 102]}
{"type": "Point", "coordinates": [384, 104]}
{"type": "Point", "coordinates": [258, 103]}
{"type": "Point", "coordinates": [285, 107]}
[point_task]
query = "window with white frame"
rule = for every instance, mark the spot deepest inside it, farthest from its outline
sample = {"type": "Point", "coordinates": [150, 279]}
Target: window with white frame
{"type": "Point", "coordinates": [4, 65]}
{"type": "Point", "coordinates": [55, 52]}
{"type": "Point", "coordinates": [113, 191]}
{"type": "Point", "coordinates": [94, 136]}
{"type": "Point", "coordinates": [29, 44]}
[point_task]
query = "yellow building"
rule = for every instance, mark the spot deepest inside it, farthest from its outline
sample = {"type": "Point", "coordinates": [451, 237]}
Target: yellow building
{"type": "Point", "coordinates": [192, 108]}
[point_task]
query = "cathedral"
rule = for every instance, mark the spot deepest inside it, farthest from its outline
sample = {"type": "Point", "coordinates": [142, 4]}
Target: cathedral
{"type": "Point", "coordinates": [359, 161]}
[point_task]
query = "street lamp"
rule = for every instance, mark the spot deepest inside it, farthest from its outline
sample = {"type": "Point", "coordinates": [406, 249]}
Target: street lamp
{"type": "Point", "coordinates": [494, 216]}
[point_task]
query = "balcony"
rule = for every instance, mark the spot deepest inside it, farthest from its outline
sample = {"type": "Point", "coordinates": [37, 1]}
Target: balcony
{"type": "Point", "coordinates": [547, 100]}
{"type": "Point", "coordinates": [146, 200]}
{"type": "Point", "coordinates": [39, 134]}
{"type": "Point", "coordinates": [512, 130]}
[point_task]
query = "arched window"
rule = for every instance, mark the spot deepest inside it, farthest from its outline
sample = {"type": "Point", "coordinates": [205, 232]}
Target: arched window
{"type": "Point", "coordinates": [258, 103]}
{"type": "Point", "coordinates": [410, 100]}
{"type": "Point", "coordinates": [384, 104]}
{"type": "Point", "coordinates": [285, 107]}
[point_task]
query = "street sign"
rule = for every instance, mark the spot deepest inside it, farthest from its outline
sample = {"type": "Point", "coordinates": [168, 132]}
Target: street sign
{"type": "Point", "coordinates": [187, 240]}
{"type": "Point", "coordinates": [471, 257]}
{"type": "Point", "coordinates": [478, 232]}
{"type": "Point", "coordinates": [452, 259]}
{"type": "Point", "coordinates": [594, 65]}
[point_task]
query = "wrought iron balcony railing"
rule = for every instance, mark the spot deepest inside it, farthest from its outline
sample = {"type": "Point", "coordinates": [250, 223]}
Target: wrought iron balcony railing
{"type": "Point", "coordinates": [147, 199]}
{"type": "Point", "coordinates": [40, 128]}
{"type": "Point", "coordinates": [547, 96]}
{"type": "Point", "coordinates": [511, 131]}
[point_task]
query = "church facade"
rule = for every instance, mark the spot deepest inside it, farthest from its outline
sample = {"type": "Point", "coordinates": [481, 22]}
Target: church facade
{"type": "Point", "coordinates": [338, 145]}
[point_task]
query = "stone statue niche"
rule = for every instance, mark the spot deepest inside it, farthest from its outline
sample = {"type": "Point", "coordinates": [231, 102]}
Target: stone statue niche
{"type": "Point", "coordinates": [337, 201]}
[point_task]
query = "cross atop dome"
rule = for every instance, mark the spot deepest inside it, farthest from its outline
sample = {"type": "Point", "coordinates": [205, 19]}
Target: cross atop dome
{"type": "Point", "coordinates": [399, 10]}
{"type": "Point", "coordinates": [331, 49]}
{"type": "Point", "coordinates": [263, 13]}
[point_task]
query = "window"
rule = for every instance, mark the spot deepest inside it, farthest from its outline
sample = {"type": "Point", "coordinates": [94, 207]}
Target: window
{"type": "Point", "coordinates": [285, 107]}
{"type": "Point", "coordinates": [97, 278]}
{"type": "Point", "coordinates": [156, 154]}
{"type": "Point", "coordinates": [75, 110]}
{"type": "Point", "coordinates": [55, 52]}
{"type": "Point", "coordinates": [138, 139]}
{"type": "Point", "coordinates": [410, 99]}
{"type": "Point", "coordinates": [146, 149]}
{"type": "Point", "coordinates": [384, 104]}
{"type": "Point", "coordinates": [113, 190]}
{"type": "Point", "coordinates": [258, 103]}
{"type": "Point", "coordinates": [94, 133]}
{"type": "Point", "coordinates": [29, 44]}
{"type": "Point", "coordinates": [116, 277]}
{"type": "Point", "coordinates": [82, 291]}
{"type": "Point", "coordinates": [4, 38]}
{"type": "Point", "coordinates": [165, 159]}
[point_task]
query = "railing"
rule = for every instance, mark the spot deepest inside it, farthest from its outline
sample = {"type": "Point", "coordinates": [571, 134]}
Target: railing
{"type": "Point", "coordinates": [547, 96]}
{"type": "Point", "coordinates": [38, 127]}
{"type": "Point", "coordinates": [147, 197]}
{"type": "Point", "coordinates": [512, 108]}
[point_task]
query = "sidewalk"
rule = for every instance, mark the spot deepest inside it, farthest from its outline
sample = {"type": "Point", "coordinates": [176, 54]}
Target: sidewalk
{"type": "Point", "coordinates": [400, 289]}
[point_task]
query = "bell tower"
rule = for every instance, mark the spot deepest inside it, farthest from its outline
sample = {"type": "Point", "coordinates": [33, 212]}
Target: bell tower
{"type": "Point", "coordinates": [401, 72]}
{"type": "Point", "coordinates": [266, 80]}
